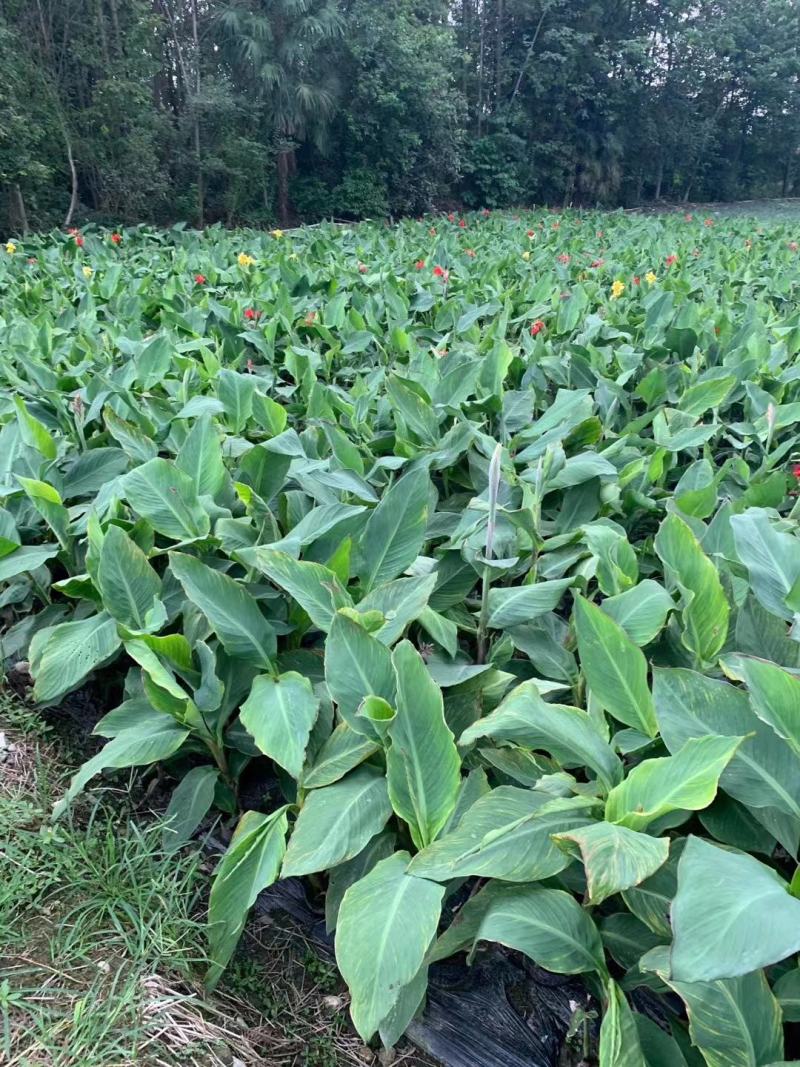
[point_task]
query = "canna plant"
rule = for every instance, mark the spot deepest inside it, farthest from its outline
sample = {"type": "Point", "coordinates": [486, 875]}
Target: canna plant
{"type": "Point", "coordinates": [509, 633]}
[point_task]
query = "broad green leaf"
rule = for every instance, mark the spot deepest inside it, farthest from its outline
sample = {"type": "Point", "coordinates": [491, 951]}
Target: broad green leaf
{"type": "Point", "coordinates": [400, 602]}
{"type": "Point", "coordinates": [774, 694]}
{"type": "Point", "coordinates": [200, 456]}
{"type": "Point", "coordinates": [251, 863]}
{"type": "Point", "coordinates": [395, 531]}
{"type": "Point", "coordinates": [166, 497]}
{"type": "Point", "coordinates": [63, 656]}
{"type": "Point", "coordinates": [763, 771]}
{"type": "Point", "coordinates": [279, 714]}
{"type": "Point", "coordinates": [619, 1037]}
{"type": "Point", "coordinates": [387, 921]}
{"type": "Point", "coordinates": [357, 665]}
{"type": "Point", "coordinates": [753, 922]}
{"type": "Point", "coordinates": [24, 559]}
{"type": "Point", "coordinates": [615, 669]}
{"type": "Point", "coordinates": [772, 559]}
{"type": "Point", "coordinates": [343, 751]}
{"type": "Point", "coordinates": [705, 609]}
{"type": "Point", "coordinates": [686, 781]}
{"type": "Point", "coordinates": [614, 857]}
{"type": "Point", "coordinates": [138, 746]}
{"type": "Point", "coordinates": [337, 821]}
{"type": "Point", "coordinates": [346, 874]}
{"type": "Point", "coordinates": [506, 834]}
{"type": "Point", "coordinates": [315, 588]}
{"type": "Point", "coordinates": [423, 767]}
{"type": "Point", "coordinates": [188, 806]}
{"type": "Point", "coordinates": [34, 433]}
{"type": "Point", "coordinates": [787, 990]}
{"type": "Point", "coordinates": [641, 611]}
{"type": "Point", "coordinates": [521, 603]}
{"type": "Point", "coordinates": [129, 586]}
{"type": "Point", "coordinates": [233, 613]}
{"type": "Point", "coordinates": [548, 925]}
{"type": "Point", "coordinates": [567, 733]}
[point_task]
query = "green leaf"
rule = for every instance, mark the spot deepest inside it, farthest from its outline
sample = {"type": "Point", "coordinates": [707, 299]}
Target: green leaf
{"type": "Point", "coordinates": [686, 781]}
{"type": "Point", "coordinates": [774, 694]}
{"type": "Point", "coordinates": [24, 559]}
{"type": "Point", "coordinates": [279, 714]}
{"type": "Point", "coordinates": [400, 602]}
{"type": "Point", "coordinates": [387, 920]}
{"type": "Point", "coordinates": [357, 665]}
{"type": "Point", "coordinates": [641, 611]}
{"type": "Point", "coordinates": [614, 857]}
{"type": "Point", "coordinates": [233, 613]}
{"type": "Point", "coordinates": [336, 822]}
{"type": "Point", "coordinates": [763, 771]}
{"type": "Point", "coordinates": [506, 834]}
{"type": "Point", "coordinates": [395, 530]}
{"type": "Point", "coordinates": [423, 767]}
{"type": "Point", "coordinates": [787, 990]}
{"type": "Point", "coordinates": [548, 925]}
{"type": "Point", "coordinates": [200, 456]}
{"type": "Point", "coordinates": [705, 610]}
{"type": "Point", "coordinates": [615, 669]}
{"type": "Point", "coordinates": [619, 1037]}
{"type": "Point", "coordinates": [166, 497]}
{"type": "Point", "coordinates": [567, 733]}
{"type": "Point", "coordinates": [343, 751]}
{"type": "Point", "coordinates": [188, 806]}
{"type": "Point", "coordinates": [129, 586]}
{"type": "Point", "coordinates": [754, 920]}
{"type": "Point", "coordinates": [346, 874]}
{"type": "Point", "coordinates": [251, 863]}
{"type": "Point", "coordinates": [521, 603]}
{"type": "Point", "coordinates": [146, 743]}
{"type": "Point", "coordinates": [772, 559]}
{"type": "Point", "coordinates": [34, 433]}
{"type": "Point", "coordinates": [315, 588]}
{"type": "Point", "coordinates": [63, 656]}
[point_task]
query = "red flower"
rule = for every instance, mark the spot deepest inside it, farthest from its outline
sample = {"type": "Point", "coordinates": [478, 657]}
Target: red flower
{"type": "Point", "coordinates": [432, 231]}
{"type": "Point", "coordinates": [708, 222]}
{"type": "Point", "coordinates": [537, 327]}
{"type": "Point", "coordinates": [440, 272]}
{"type": "Point", "coordinates": [599, 233]}
{"type": "Point", "coordinates": [597, 263]}
{"type": "Point", "coordinates": [116, 238]}
{"type": "Point", "coordinates": [250, 366]}
{"type": "Point", "coordinates": [462, 224]}
{"type": "Point", "coordinates": [200, 279]}
{"type": "Point", "coordinates": [486, 213]}
{"type": "Point", "coordinates": [471, 253]}
{"type": "Point", "coordinates": [637, 280]}
{"type": "Point", "coordinates": [251, 313]}
{"type": "Point", "coordinates": [796, 470]}
{"type": "Point", "coordinates": [671, 259]}
{"type": "Point", "coordinates": [555, 225]}
{"type": "Point", "coordinates": [793, 246]}
{"type": "Point", "coordinates": [531, 233]}
{"type": "Point", "coordinates": [563, 258]}
{"type": "Point", "coordinates": [362, 268]}
{"type": "Point", "coordinates": [79, 240]}
{"type": "Point", "coordinates": [688, 217]}
{"type": "Point", "coordinates": [72, 231]}
{"type": "Point", "coordinates": [32, 260]}
{"type": "Point", "coordinates": [309, 319]}
{"type": "Point", "coordinates": [420, 264]}
{"type": "Point", "coordinates": [451, 217]}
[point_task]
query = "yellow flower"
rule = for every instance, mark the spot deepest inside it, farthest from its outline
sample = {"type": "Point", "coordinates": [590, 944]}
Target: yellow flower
{"type": "Point", "coordinates": [293, 255]}
{"type": "Point", "coordinates": [245, 260]}
{"type": "Point", "coordinates": [276, 233]}
{"type": "Point", "coordinates": [87, 272]}
{"type": "Point", "coordinates": [617, 289]}
{"type": "Point", "coordinates": [526, 256]}
{"type": "Point", "coordinates": [11, 248]}
{"type": "Point", "coordinates": [650, 277]}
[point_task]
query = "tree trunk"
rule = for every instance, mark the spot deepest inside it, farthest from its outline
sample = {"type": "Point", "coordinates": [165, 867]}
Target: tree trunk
{"type": "Point", "coordinates": [282, 167]}
{"type": "Point", "coordinates": [73, 202]}
{"type": "Point", "coordinates": [659, 178]}
{"type": "Point", "coordinates": [481, 65]}
{"type": "Point", "coordinates": [19, 219]}
{"type": "Point", "coordinates": [196, 106]}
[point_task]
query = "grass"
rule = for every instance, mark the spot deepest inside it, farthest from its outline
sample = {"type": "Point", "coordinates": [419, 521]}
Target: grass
{"type": "Point", "coordinates": [102, 947]}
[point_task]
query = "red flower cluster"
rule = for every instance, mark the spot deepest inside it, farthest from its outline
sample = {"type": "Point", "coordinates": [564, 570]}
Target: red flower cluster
{"type": "Point", "coordinates": [309, 319]}
{"type": "Point", "coordinates": [200, 279]}
{"type": "Point", "coordinates": [32, 260]}
{"type": "Point", "coordinates": [470, 252]}
{"type": "Point", "coordinates": [531, 233]}
{"type": "Point", "coordinates": [555, 225]}
{"type": "Point", "coordinates": [432, 231]}
{"type": "Point", "coordinates": [688, 217]}
{"type": "Point", "coordinates": [793, 246]}
{"type": "Point", "coordinates": [451, 217]}
{"type": "Point", "coordinates": [486, 213]}
{"type": "Point", "coordinates": [462, 224]}
{"type": "Point", "coordinates": [671, 259]}
{"type": "Point", "coordinates": [251, 313]}
{"type": "Point", "coordinates": [116, 238]}
{"type": "Point", "coordinates": [420, 264]}
{"type": "Point", "coordinates": [708, 222]}
{"type": "Point", "coordinates": [563, 258]}
{"type": "Point", "coordinates": [439, 272]}
{"type": "Point", "coordinates": [79, 240]}
{"type": "Point", "coordinates": [537, 327]}
{"type": "Point", "coordinates": [600, 233]}
{"type": "Point", "coordinates": [637, 280]}
{"type": "Point", "coordinates": [796, 470]}
{"type": "Point", "coordinates": [597, 263]}
{"type": "Point", "coordinates": [362, 268]}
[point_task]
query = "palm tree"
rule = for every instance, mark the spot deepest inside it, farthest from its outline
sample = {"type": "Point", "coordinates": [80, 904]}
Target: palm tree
{"type": "Point", "coordinates": [280, 43]}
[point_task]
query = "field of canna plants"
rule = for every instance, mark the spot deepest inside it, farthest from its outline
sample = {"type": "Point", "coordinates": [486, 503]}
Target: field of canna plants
{"type": "Point", "coordinates": [473, 543]}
